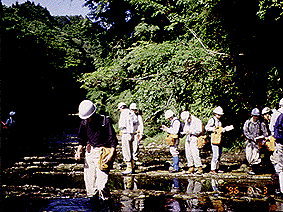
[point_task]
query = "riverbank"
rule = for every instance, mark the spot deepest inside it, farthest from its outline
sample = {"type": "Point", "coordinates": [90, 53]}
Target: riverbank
{"type": "Point", "coordinates": [55, 180]}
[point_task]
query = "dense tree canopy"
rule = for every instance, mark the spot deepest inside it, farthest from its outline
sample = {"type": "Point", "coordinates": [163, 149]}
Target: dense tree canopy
{"type": "Point", "coordinates": [178, 54]}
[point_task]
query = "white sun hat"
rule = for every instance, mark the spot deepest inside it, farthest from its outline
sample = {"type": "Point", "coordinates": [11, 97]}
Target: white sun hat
{"type": "Point", "coordinates": [86, 109]}
{"type": "Point", "coordinates": [265, 110]}
{"type": "Point", "coordinates": [185, 115]}
{"type": "Point", "coordinates": [169, 114]}
{"type": "Point", "coordinates": [121, 104]}
{"type": "Point", "coordinates": [133, 106]}
{"type": "Point", "coordinates": [255, 112]}
{"type": "Point", "coordinates": [218, 110]}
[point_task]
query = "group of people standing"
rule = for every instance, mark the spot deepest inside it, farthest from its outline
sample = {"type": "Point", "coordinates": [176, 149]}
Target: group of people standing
{"type": "Point", "coordinates": [97, 133]}
{"type": "Point", "coordinates": [258, 132]}
{"type": "Point", "coordinates": [193, 129]}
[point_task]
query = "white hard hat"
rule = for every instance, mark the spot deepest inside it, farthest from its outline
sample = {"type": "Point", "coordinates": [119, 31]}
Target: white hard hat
{"type": "Point", "coordinates": [185, 115]}
{"type": "Point", "coordinates": [281, 102]}
{"type": "Point", "coordinates": [255, 112]}
{"type": "Point", "coordinates": [121, 104]}
{"type": "Point", "coordinates": [218, 110]}
{"type": "Point", "coordinates": [169, 114]}
{"type": "Point", "coordinates": [133, 106]}
{"type": "Point", "coordinates": [86, 109]}
{"type": "Point", "coordinates": [265, 110]}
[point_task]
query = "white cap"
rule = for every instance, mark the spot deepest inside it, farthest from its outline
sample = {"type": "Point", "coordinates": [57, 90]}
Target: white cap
{"type": "Point", "coordinates": [133, 106]}
{"type": "Point", "coordinates": [255, 112]}
{"type": "Point", "coordinates": [281, 102]}
{"type": "Point", "coordinates": [169, 114]}
{"type": "Point", "coordinates": [121, 104]}
{"type": "Point", "coordinates": [86, 109]}
{"type": "Point", "coordinates": [218, 110]}
{"type": "Point", "coordinates": [185, 115]}
{"type": "Point", "coordinates": [265, 110]}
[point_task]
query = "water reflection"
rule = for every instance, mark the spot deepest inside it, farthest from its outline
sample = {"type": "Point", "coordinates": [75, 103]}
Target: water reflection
{"type": "Point", "coordinates": [131, 199]}
{"type": "Point", "coordinates": [194, 188]}
{"type": "Point", "coordinates": [54, 182]}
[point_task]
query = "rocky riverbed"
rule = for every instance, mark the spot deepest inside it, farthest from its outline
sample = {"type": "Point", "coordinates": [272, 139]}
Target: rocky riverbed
{"type": "Point", "coordinates": [54, 182]}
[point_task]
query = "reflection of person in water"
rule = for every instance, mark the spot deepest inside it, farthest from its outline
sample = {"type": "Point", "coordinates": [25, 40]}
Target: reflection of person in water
{"type": "Point", "coordinates": [194, 188]}
{"type": "Point", "coordinates": [131, 202]}
{"type": "Point", "coordinates": [173, 204]}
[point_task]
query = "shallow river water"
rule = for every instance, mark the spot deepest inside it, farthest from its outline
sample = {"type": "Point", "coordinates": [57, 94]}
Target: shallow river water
{"type": "Point", "coordinates": [54, 182]}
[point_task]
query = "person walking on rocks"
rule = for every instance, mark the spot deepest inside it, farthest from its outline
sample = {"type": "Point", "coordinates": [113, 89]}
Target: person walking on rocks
{"type": "Point", "coordinates": [96, 133]}
{"type": "Point", "coordinates": [126, 126]}
{"type": "Point", "coordinates": [214, 125]}
{"type": "Point", "coordinates": [174, 130]}
{"type": "Point", "coordinates": [192, 129]}
{"type": "Point", "coordinates": [138, 132]}
{"type": "Point", "coordinates": [278, 135]}
{"type": "Point", "coordinates": [254, 131]}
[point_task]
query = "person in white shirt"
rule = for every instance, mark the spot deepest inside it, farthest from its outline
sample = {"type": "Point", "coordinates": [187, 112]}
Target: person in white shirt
{"type": "Point", "coordinates": [175, 130]}
{"type": "Point", "coordinates": [192, 129]}
{"type": "Point", "coordinates": [138, 132]}
{"type": "Point", "coordinates": [211, 126]}
{"type": "Point", "coordinates": [126, 126]}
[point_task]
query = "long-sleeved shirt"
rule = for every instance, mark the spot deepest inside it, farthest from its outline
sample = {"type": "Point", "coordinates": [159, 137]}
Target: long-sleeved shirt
{"type": "Point", "coordinates": [273, 119]}
{"type": "Point", "coordinates": [97, 132]}
{"type": "Point", "coordinates": [254, 129]}
{"type": "Point", "coordinates": [194, 127]}
{"type": "Point", "coordinates": [212, 123]}
{"type": "Point", "coordinates": [174, 126]}
{"type": "Point", "coordinates": [278, 129]}
{"type": "Point", "coordinates": [126, 122]}
{"type": "Point", "coordinates": [138, 126]}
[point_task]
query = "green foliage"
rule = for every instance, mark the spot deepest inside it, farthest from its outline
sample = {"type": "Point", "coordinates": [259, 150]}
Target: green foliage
{"type": "Point", "coordinates": [180, 55]}
{"type": "Point", "coordinates": [159, 71]}
{"type": "Point", "coordinates": [270, 8]}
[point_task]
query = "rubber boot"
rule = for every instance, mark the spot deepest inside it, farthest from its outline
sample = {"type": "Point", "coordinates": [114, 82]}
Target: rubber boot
{"type": "Point", "coordinates": [191, 170]}
{"type": "Point", "coordinates": [175, 164]}
{"type": "Point", "coordinates": [129, 169]}
{"type": "Point", "coordinates": [200, 170]}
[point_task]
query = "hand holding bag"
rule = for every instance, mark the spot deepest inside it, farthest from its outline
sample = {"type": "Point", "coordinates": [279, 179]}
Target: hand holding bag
{"type": "Point", "coordinates": [103, 153]}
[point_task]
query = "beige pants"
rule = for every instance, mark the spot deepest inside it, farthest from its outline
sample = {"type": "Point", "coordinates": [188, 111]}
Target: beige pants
{"type": "Point", "coordinates": [127, 147]}
{"type": "Point", "coordinates": [136, 143]}
{"type": "Point", "coordinates": [192, 152]}
{"type": "Point", "coordinates": [252, 152]}
{"type": "Point", "coordinates": [95, 179]}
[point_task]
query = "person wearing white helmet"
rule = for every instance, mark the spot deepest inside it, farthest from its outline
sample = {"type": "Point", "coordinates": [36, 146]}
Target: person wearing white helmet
{"type": "Point", "coordinates": [211, 126]}
{"type": "Point", "coordinates": [126, 126]}
{"type": "Point", "coordinates": [174, 129]}
{"type": "Point", "coordinates": [278, 135]}
{"type": "Point", "coordinates": [95, 132]}
{"type": "Point", "coordinates": [254, 130]}
{"type": "Point", "coordinates": [192, 129]}
{"type": "Point", "coordinates": [266, 114]}
{"type": "Point", "coordinates": [138, 132]}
